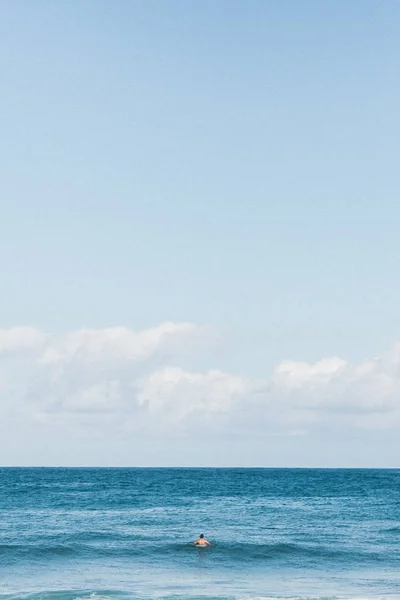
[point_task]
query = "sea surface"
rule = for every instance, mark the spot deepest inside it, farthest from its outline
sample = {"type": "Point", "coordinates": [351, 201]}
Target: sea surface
{"type": "Point", "coordinates": [126, 534]}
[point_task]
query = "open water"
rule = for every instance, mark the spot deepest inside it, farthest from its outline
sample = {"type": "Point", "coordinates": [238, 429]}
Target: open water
{"type": "Point", "coordinates": [125, 534]}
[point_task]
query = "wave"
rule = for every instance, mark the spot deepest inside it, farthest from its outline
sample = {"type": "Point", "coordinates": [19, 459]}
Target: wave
{"type": "Point", "coordinates": [395, 529]}
{"type": "Point", "coordinates": [248, 552]}
{"type": "Point", "coordinates": [77, 594]}
{"type": "Point", "coordinates": [155, 549]}
{"type": "Point", "coordinates": [74, 594]}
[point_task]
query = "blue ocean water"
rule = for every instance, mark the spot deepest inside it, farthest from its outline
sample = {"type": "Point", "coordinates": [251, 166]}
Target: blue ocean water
{"type": "Point", "coordinates": [126, 534]}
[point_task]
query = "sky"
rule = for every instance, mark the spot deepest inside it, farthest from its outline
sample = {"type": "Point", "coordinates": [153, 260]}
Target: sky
{"type": "Point", "coordinates": [199, 233]}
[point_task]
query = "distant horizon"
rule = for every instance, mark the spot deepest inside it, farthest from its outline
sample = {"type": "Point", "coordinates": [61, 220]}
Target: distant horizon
{"type": "Point", "coordinates": [197, 467]}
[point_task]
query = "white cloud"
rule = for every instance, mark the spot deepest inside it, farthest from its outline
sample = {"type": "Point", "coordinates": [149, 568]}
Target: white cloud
{"type": "Point", "coordinates": [119, 343]}
{"type": "Point", "coordinates": [136, 381]}
{"type": "Point", "coordinates": [177, 393]}
{"type": "Point", "coordinates": [294, 375]}
{"type": "Point", "coordinates": [333, 388]}
{"type": "Point", "coordinates": [20, 338]}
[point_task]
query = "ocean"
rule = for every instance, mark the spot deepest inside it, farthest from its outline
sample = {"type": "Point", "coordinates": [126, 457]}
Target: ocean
{"type": "Point", "coordinates": [127, 533]}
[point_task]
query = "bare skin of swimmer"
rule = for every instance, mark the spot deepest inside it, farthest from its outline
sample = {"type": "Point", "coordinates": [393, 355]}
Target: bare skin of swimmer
{"type": "Point", "coordinates": [201, 541]}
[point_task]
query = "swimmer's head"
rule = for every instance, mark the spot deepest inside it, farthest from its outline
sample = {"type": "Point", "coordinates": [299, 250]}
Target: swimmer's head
{"type": "Point", "coordinates": [202, 535]}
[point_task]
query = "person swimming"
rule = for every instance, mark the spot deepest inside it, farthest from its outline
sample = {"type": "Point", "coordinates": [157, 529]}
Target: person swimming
{"type": "Point", "coordinates": [201, 541]}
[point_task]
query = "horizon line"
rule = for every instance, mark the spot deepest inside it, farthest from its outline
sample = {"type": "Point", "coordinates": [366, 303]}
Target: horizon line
{"type": "Point", "coordinates": [196, 467]}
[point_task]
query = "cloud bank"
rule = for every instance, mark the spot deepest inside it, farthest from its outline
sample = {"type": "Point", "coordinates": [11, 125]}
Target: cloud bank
{"type": "Point", "coordinates": [136, 383]}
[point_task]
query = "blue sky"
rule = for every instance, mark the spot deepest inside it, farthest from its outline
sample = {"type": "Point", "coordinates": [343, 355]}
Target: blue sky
{"type": "Point", "coordinates": [228, 164]}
